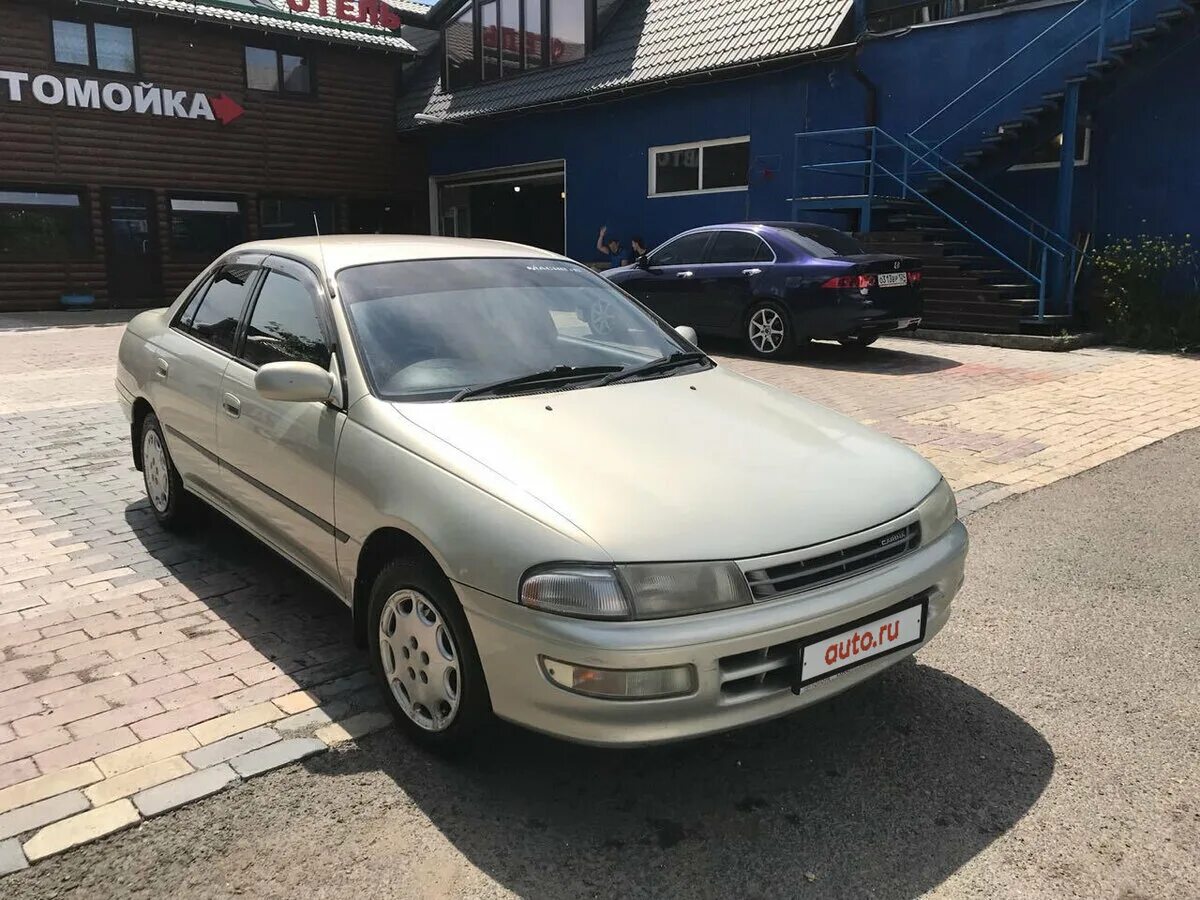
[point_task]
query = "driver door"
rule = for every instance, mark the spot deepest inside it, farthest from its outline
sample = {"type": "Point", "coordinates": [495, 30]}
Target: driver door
{"type": "Point", "coordinates": [278, 457]}
{"type": "Point", "coordinates": [670, 284]}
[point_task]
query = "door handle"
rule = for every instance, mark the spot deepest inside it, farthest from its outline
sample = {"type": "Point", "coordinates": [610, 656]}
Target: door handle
{"type": "Point", "coordinates": [683, 274]}
{"type": "Point", "coordinates": [750, 272]}
{"type": "Point", "coordinates": [232, 406]}
{"type": "Point", "coordinates": [161, 367]}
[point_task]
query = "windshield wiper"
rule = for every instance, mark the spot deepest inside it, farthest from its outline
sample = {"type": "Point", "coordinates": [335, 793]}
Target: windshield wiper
{"type": "Point", "coordinates": [553, 375]}
{"type": "Point", "coordinates": [662, 364]}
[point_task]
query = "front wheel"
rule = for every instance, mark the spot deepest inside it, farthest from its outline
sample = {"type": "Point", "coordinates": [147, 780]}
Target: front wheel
{"type": "Point", "coordinates": [768, 332]}
{"type": "Point", "coordinates": [858, 341]}
{"type": "Point", "coordinates": [424, 656]}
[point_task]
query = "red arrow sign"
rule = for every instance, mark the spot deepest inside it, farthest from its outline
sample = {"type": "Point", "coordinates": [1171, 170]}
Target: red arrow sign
{"type": "Point", "coordinates": [226, 109]}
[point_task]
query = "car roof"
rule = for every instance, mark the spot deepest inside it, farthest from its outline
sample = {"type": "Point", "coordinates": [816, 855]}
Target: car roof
{"type": "Point", "coordinates": [795, 225]}
{"type": "Point", "coordinates": [335, 252]}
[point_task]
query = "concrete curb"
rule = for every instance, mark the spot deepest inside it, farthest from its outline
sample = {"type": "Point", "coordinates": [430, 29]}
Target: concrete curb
{"type": "Point", "coordinates": [48, 825]}
{"type": "Point", "coordinates": [1047, 342]}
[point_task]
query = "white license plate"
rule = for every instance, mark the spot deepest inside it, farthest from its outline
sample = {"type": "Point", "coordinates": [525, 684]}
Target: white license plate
{"type": "Point", "coordinates": [893, 279]}
{"type": "Point", "coordinates": [886, 634]}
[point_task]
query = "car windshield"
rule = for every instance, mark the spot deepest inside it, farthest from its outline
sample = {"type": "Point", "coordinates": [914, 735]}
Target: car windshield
{"type": "Point", "coordinates": [432, 329]}
{"type": "Point", "coordinates": [822, 242]}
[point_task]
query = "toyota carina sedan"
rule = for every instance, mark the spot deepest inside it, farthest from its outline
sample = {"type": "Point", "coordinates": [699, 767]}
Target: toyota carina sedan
{"type": "Point", "coordinates": [775, 285]}
{"type": "Point", "coordinates": [603, 536]}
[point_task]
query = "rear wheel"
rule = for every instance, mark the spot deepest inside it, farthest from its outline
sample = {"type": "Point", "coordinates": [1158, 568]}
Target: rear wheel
{"type": "Point", "coordinates": [859, 341]}
{"type": "Point", "coordinates": [424, 656]}
{"type": "Point", "coordinates": [173, 506]}
{"type": "Point", "coordinates": [768, 332]}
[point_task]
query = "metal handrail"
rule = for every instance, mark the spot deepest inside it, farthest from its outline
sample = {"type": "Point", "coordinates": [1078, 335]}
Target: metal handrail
{"type": "Point", "coordinates": [1033, 40]}
{"type": "Point", "coordinates": [1048, 231]}
{"type": "Point", "coordinates": [1104, 18]}
{"type": "Point", "coordinates": [874, 167]}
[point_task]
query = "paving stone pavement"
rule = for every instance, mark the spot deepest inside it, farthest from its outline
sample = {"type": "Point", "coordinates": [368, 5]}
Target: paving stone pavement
{"type": "Point", "coordinates": [140, 670]}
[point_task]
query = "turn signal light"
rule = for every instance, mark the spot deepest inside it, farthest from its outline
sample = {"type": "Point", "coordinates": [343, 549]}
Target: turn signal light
{"type": "Point", "coordinates": [621, 684]}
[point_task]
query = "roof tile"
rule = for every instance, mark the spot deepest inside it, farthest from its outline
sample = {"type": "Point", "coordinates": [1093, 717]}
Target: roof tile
{"type": "Point", "coordinates": [647, 40]}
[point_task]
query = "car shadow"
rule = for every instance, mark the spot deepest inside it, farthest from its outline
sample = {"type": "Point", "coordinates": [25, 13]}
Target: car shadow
{"type": "Point", "coordinates": [878, 359]}
{"type": "Point", "coordinates": [882, 792]}
{"type": "Point", "coordinates": [265, 606]}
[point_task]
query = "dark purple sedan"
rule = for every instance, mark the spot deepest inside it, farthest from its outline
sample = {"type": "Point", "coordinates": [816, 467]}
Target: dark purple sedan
{"type": "Point", "coordinates": [776, 284]}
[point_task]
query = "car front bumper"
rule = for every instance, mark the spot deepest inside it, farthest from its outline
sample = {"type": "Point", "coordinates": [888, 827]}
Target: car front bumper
{"type": "Point", "coordinates": [511, 639]}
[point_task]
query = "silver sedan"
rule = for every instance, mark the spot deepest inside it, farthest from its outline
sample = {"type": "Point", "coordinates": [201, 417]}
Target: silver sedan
{"type": "Point", "coordinates": [540, 502]}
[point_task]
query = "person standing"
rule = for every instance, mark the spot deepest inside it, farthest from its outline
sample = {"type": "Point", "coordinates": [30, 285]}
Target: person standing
{"type": "Point", "coordinates": [610, 248]}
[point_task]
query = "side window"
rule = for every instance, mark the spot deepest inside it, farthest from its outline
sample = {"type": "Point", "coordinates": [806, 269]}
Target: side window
{"type": "Point", "coordinates": [284, 326]}
{"type": "Point", "coordinates": [683, 251]}
{"type": "Point", "coordinates": [215, 318]}
{"type": "Point", "coordinates": [737, 247]}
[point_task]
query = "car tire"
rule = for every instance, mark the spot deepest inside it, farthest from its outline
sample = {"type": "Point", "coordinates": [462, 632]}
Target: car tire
{"type": "Point", "coordinates": [858, 341]}
{"type": "Point", "coordinates": [424, 657]}
{"type": "Point", "coordinates": [768, 332]}
{"type": "Point", "coordinates": [172, 505]}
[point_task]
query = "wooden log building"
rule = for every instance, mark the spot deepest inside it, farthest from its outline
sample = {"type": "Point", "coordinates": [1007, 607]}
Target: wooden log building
{"type": "Point", "coordinates": [138, 140]}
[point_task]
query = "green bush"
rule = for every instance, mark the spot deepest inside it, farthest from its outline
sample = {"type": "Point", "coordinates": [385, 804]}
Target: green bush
{"type": "Point", "coordinates": [1148, 292]}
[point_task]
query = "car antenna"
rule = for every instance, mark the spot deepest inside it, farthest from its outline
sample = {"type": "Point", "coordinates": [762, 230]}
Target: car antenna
{"type": "Point", "coordinates": [321, 248]}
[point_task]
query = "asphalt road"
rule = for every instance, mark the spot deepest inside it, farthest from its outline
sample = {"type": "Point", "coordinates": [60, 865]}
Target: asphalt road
{"type": "Point", "coordinates": [1047, 744]}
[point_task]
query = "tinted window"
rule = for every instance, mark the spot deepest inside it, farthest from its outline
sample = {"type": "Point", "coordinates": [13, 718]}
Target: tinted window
{"type": "Point", "coordinates": [43, 225]}
{"type": "Point", "coordinates": [681, 252]}
{"type": "Point", "coordinates": [280, 217]}
{"type": "Point", "coordinates": [262, 69]}
{"type": "Point", "coordinates": [205, 227]}
{"type": "Point", "coordinates": [71, 43]}
{"type": "Point", "coordinates": [726, 165]}
{"type": "Point", "coordinates": [283, 326]}
{"type": "Point", "coordinates": [677, 170]}
{"type": "Point", "coordinates": [567, 30]}
{"type": "Point", "coordinates": [737, 246]}
{"type": "Point", "coordinates": [822, 242]}
{"type": "Point", "coordinates": [216, 317]}
{"type": "Point", "coordinates": [459, 41]}
{"type": "Point", "coordinates": [114, 48]}
{"type": "Point", "coordinates": [296, 74]}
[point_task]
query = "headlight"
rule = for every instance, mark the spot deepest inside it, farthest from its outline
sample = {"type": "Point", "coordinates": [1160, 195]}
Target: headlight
{"type": "Point", "coordinates": [640, 591]}
{"type": "Point", "coordinates": [938, 512]}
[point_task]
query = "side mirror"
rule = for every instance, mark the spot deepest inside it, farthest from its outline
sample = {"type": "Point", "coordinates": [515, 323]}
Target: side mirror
{"type": "Point", "coordinates": [688, 333]}
{"type": "Point", "coordinates": [642, 262]}
{"type": "Point", "coordinates": [296, 382]}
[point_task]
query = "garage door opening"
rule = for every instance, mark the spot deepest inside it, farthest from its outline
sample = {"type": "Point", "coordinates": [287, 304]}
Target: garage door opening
{"type": "Point", "coordinates": [526, 206]}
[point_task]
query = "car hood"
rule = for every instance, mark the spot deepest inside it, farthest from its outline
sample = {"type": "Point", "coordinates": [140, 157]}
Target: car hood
{"type": "Point", "coordinates": [710, 465]}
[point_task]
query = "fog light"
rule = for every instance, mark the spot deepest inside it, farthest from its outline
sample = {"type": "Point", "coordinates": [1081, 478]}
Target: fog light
{"type": "Point", "coordinates": [621, 684]}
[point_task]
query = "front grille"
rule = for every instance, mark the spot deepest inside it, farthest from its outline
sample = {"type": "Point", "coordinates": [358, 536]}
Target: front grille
{"type": "Point", "coordinates": [819, 570]}
{"type": "Point", "coordinates": [756, 674]}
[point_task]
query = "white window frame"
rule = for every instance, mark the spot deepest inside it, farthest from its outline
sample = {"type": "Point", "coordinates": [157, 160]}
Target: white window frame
{"type": "Point", "coordinates": [1083, 161]}
{"type": "Point", "coordinates": [652, 174]}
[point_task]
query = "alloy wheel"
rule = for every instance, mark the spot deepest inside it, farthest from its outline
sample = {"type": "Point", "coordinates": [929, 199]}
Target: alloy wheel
{"type": "Point", "coordinates": [420, 659]}
{"type": "Point", "coordinates": [766, 330]}
{"type": "Point", "coordinates": [155, 466]}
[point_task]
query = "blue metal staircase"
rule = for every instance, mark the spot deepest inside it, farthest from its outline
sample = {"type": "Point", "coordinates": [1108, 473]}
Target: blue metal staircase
{"type": "Point", "coordinates": [988, 264]}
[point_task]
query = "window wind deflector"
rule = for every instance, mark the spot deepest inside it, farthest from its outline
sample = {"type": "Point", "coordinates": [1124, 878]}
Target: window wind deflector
{"type": "Point", "coordinates": [554, 375]}
{"type": "Point", "coordinates": [657, 366]}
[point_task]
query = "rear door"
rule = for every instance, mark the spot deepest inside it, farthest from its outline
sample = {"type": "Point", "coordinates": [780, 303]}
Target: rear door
{"type": "Point", "coordinates": [736, 259]}
{"type": "Point", "coordinates": [189, 361]}
{"type": "Point", "coordinates": [669, 284]}
{"type": "Point", "coordinates": [278, 457]}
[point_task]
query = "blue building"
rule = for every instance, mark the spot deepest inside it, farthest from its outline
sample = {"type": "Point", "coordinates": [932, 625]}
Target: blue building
{"type": "Point", "coordinates": [997, 140]}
